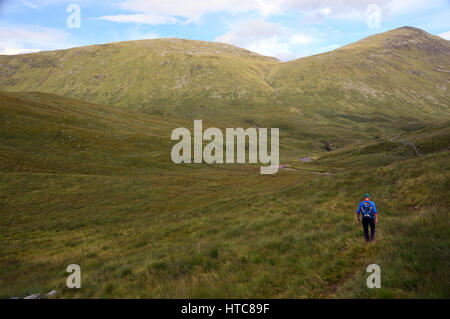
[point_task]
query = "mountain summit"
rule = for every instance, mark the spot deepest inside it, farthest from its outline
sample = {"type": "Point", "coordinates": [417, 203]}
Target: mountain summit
{"type": "Point", "coordinates": [403, 72]}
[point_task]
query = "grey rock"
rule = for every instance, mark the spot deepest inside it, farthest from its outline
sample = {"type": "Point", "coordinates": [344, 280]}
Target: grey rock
{"type": "Point", "coordinates": [51, 293]}
{"type": "Point", "coordinates": [33, 296]}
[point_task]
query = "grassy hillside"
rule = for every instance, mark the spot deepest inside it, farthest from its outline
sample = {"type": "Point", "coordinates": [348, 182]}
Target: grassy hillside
{"type": "Point", "coordinates": [47, 133]}
{"type": "Point", "coordinates": [401, 75]}
{"type": "Point", "coordinates": [90, 184]}
{"type": "Point", "coordinates": [115, 138]}
{"type": "Point", "coordinates": [182, 76]}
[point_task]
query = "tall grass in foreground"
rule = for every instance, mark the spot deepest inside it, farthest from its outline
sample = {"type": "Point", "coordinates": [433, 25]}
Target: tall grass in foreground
{"type": "Point", "coordinates": [91, 185]}
{"type": "Point", "coordinates": [227, 233]}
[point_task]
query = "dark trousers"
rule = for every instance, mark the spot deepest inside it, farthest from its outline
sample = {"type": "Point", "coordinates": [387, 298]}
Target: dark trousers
{"type": "Point", "coordinates": [366, 221]}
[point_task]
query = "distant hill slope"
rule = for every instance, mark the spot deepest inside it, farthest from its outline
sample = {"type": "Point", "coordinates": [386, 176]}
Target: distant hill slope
{"type": "Point", "coordinates": [163, 72]}
{"type": "Point", "coordinates": [47, 133]}
{"type": "Point", "coordinates": [50, 133]}
{"type": "Point", "coordinates": [403, 73]}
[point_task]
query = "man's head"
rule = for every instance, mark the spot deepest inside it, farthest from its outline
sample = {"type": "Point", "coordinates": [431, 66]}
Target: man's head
{"type": "Point", "coordinates": [366, 196]}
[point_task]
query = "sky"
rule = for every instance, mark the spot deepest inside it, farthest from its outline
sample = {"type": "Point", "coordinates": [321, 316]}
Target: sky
{"type": "Point", "coordinates": [285, 29]}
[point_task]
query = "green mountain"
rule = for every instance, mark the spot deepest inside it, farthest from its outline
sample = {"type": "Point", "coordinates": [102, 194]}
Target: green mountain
{"type": "Point", "coordinates": [383, 75]}
{"type": "Point", "coordinates": [401, 74]}
{"type": "Point", "coordinates": [167, 73]}
{"type": "Point", "coordinates": [377, 87]}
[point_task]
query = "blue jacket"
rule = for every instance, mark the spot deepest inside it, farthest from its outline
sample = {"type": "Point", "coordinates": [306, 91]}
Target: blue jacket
{"type": "Point", "coordinates": [374, 209]}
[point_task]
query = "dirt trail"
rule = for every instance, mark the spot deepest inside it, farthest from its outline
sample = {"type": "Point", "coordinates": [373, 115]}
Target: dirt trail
{"type": "Point", "coordinates": [304, 169]}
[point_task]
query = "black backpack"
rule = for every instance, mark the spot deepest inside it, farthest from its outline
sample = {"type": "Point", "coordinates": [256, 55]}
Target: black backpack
{"type": "Point", "coordinates": [367, 209]}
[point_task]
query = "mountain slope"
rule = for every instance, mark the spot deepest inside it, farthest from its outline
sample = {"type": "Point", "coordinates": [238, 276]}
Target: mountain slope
{"type": "Point", "coordinates": [168, 73]}
{"type": "Point", "coordinates": [47, 133]}
{"type": "Point", "coordinates": [401, 74]}
{"type": "Point", "coordinates": [375, 88]}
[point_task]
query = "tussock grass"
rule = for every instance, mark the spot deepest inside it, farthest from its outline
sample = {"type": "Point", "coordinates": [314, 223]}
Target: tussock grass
{"type": "Point", "coordinates": [150, 230]}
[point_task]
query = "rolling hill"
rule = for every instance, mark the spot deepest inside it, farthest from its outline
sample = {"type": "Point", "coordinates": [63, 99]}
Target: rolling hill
{"type": "Point", "coordinates": [374, 88]}
{"type": "Point", "coordinates": [401, 74]}
{"type": "Point", "coordinates": [383, 75]}
{"type": "Point", "coordinates": [378, 87]}
{"type": "Point", "coordinates": [140, 74]}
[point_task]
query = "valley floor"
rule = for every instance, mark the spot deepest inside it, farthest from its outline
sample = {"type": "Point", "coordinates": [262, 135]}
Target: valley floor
{"type": "Point", "coordinates": [213, 232]}
{"type": "Point", "coordinates": [93, 185]}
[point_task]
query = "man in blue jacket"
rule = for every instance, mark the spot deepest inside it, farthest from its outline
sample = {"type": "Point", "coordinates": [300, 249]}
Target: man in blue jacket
{"type": "Point", "coordinates": [369, 217]}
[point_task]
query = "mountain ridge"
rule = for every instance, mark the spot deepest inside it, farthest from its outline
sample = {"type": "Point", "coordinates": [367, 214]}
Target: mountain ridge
{"type": "Point", "coordinates": [399, 75]}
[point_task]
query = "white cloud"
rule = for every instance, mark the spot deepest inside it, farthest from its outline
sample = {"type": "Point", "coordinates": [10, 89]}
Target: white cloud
{"type": "Point", "coordinates": [13, 51]}
{"type": "Point", "coordinates": [401, 7]}
{"type": "Point", "coordinates": [139, 18]}
{"type": "Point", "coordinates": [266, 38]}
{"type": "Point", "coordinates": [445, 35]}
{"type": "Point", "coordinates": [155, 12]}
{"type": "Point", "coordinates": [359, 7]}
{"type": "Point", "coordinates": [268, 7]}
{"type": "Point", "coordinates": [168, 11]}
{"type": "Point", "coordinates": [31, 38]}
{"type": "Point", "coordinates": [329, 5]}
{"type": "Point", "coordinates": [138, 34]}
{"type": "Point", "coordinates": [29, 4]}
